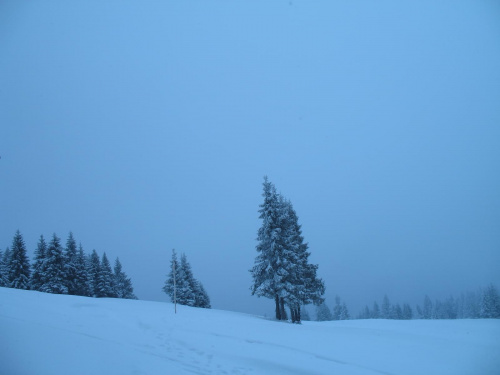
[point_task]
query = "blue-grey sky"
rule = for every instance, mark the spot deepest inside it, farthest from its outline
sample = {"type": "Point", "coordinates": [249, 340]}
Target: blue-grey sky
{"type": "Point", "coordinates": [146, 126]}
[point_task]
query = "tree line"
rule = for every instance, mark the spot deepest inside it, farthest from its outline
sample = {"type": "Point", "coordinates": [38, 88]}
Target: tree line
{"type": "Point", "coordinates": [485, 303]}
{"type": "Point", "coordinates": [61, 270]}
{"type": "Point", "coordinates": [281, 269]}
{"type": "Point", "coordinates": [340, 311]}
{"type": "Point", "coordinates": [182, 287]}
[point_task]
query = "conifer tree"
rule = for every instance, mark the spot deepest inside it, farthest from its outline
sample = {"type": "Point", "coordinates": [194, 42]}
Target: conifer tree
{"type": "Point", "coordinates": [201, 296]}
{"type": "Point", "coordinates": [344, 313]}
{"type": "Point", "coordinates": [375, 314]}
{"type": "Point", "coordinates": [460, 306]}
{"type": "Point", "coordinates": [105, 286]}
{"type": "Point", "coordinates": [55, 281]}
{"type": "Point", "coordinates": [420, 314]}
{"type": "Point", "coordinates": [301, 284]}
{"type": "Point", "coordinates": [6, 265]}
{"type": "Point", "coordinates": [438, 311]}
{"type": "Point", "coordinates": [266, 270]}
{"type": "Point", "coordinates": [19, 266]}
{"type": "Point", "coordinates": [38, 277]}
{"type": "Point", "coordinates": [407, 312]}
{"type": "Point", "coordinates": [490, 306]}
{"type": "Point", "coordinates": [337, 309]}
{"type": "Point", "coordinates": [173, 275]}
{"type": "Point", "coordinates": [472, 305]}
{"type": "Point", "coordinates": [323, 313]}
{"type": "Point", "coordinates": [281, 270]}
{"type": "Point", "coordinates": [365, 313]}
{"type": "Point", "coordinates": [396, 312]}
{"type": "Point", "coordinates": [184, 290]}
{"type": "Point", "coordinates": [123, 284]}
{"type": "Point", "coordinates": [93, 271]}
{"type": "Point", "coordinates": [385, 312]}
{"type": "Point", "coordinates": [188, 291]}
{"type": "Point", "coordinates": [184, 293]}
{"type": "Point", "coordinates": [428, 308]}
{"type": "Point", "coordinates": [70, 266]}
{"type": "Point", "coordinates": [4, 275]}
{"type": "Point", "coordinates": [82, 278]}
{"type": "Point", "coordinates": [450, 307]}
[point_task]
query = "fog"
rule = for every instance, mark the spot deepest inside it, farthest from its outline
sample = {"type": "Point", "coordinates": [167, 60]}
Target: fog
{"type": "Point", "coordinates": [143, 127]}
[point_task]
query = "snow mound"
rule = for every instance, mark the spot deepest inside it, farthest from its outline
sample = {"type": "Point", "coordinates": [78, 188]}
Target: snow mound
{"type": "Point", "coordinates": [45, 334]}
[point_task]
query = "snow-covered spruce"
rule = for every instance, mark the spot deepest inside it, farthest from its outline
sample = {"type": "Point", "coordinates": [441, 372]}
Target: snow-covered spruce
{"type": "Point", "coordinates": [19, 271]}
{"type": "Point", "coordinates": [54, 275]}
{"type": "Point", "coordinates": [182, 287]}
{"type": "Point", "coordinates": [281, 270]}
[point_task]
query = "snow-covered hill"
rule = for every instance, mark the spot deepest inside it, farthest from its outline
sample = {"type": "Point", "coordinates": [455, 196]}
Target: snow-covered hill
{"type": "Point", "coordinates": [44, 334]}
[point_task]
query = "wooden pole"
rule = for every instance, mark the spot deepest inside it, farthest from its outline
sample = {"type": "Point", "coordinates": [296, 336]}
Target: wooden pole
{"type": "Point", "coordinates": [175, 287]}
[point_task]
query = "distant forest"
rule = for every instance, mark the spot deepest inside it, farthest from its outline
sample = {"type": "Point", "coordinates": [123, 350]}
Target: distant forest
{"type": "Point", "coordinates": [61, 270]}
{"type": "Point", "coordinates": [483, 303]}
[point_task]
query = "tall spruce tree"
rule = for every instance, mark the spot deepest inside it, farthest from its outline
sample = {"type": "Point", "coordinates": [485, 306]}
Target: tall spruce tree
{"type": "Point", "coordinates": [490, 306]}
{"type": "Point", "coordinates": [93, 271]}
{"type": "Point", "coordinates": [173, 275]}
{"type": "Point", "coordinates": [344, 312]}
{"type": "Point", "coordinates": [82, 280]}
{"type": "Point", "coordinates": [6, 265]}
{"type": "Point", "coordinates": [375, 313]}
{"type": "Point", "coordinates": [123, 284]}
{"type": "Point", "coordinates": [38, 277]}
{"type": "Point", "coordinates": [323, 313]}
{"type": "Point", "coordinates": [281, 270]}
{"type": "Point", "coordinates": [183, 291]}
{"type": "Point", "coordinates": [55, 281]}
{"type": "Point", "coordinates": [407, 312]}
{"type": "Point", "coordinates": [472, 305]}
{"type": "Point", "coordinates": [70, 266]}
{"type": "Point", "coordinates": [187, 291]}
{"type": "Point", "coordinates": [428, 308]}
{"type": "Point", "coordinates": [184, 285]}
{"type": "Point", "coordinates": [19, 266]}
{"type": "Point", "coordinates": [105, 283]}
{"type": "Point", "coordinates": [4, 275]}
{"type": "Point", "coordinates": [386, 312]}
{"type": "Point", "coordinates": [396, 312]}
{"type": "Point", "coordinates": [266, 270]}
{"type": "Point", "coordinates": [365, 313]}
{"type": "Point", "coordinates": [302, 286]}
{"type": "Point", "coordinates": [420, 314]}
{"type": "Point", "coordinates": [201, 296]}
{"type": "Point", "coordinates": [190, 282]}
{"type": "Point", "coordinates": [337, 309]}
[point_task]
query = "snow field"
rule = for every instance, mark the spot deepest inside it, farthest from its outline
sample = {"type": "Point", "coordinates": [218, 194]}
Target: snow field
{"type": "Point", "coordinates": [45, 334]}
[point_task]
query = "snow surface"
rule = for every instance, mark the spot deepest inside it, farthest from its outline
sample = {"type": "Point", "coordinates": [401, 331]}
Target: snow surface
{"type": "Point", "coordinates": [44, 334]}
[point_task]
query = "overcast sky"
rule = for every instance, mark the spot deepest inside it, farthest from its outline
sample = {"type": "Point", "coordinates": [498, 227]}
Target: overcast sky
{"type": "Point", "coordinates": [146, 126]}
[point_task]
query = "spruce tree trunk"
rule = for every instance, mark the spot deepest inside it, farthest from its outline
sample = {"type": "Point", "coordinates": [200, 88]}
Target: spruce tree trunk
{"type": "Point", "coordinates": [282, 308]}
{"type": "Point", "coordinates": [298, 314]}
{"type": "Point", "coordinates": [293, 312]}
{"type": "Point", "coordinates": [278, 310]}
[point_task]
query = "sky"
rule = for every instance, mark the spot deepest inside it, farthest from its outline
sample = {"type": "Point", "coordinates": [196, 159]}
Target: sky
{"type": "Point", "coordinates": [147, 126]}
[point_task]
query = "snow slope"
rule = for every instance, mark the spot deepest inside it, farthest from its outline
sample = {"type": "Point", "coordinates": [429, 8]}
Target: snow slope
{"type": "Point", "coordinates": [42, 334]}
